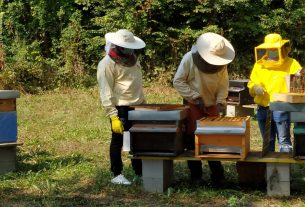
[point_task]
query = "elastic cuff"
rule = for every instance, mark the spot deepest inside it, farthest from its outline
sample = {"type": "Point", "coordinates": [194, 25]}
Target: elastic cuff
{"type": "Point", "coordinates": [112, 115]}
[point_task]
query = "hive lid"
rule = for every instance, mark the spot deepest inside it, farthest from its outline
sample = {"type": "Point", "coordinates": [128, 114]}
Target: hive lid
{"type": "Point", "coordinates": [222, 121]}
{"type": "Point", "coordinates": [172, 115]}
{"type": "Point", "coordinates": [158, 112]}
{"type": "Point", "coordinates": [159, 107]}
{"type": "Point", "coordinates": [153, 128]}
{"type": "Point", "coordinates": [9, 94]}
{"type": "Point", "coordinates": [220, 130]}
{"type": "Point", "coordinates": [221, 125]}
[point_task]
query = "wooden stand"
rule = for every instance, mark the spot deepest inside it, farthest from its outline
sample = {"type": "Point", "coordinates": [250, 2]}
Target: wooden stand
{"type": "Point", "coordinates": [157, 174]}
{"type": "Point", "coordinates": [8, 157]}
{"type": "Point", "coordinates": [278, 179]}
{"type": "Point", "coordinates": [158, 171]}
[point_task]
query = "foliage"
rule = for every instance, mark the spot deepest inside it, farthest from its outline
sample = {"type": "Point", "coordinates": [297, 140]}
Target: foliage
{"type": "Point", "coordinates": [50, 44]}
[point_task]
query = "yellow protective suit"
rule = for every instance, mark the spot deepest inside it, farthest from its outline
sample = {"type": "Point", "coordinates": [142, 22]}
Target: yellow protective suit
{"type": "Point", "coordinates": [272, 79]}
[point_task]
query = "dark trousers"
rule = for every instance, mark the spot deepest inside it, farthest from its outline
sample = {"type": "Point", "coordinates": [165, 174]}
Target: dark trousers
{"type": "Point", "coordinates": [195, 166]}
{"type": "Point", "coordinates": [117, 144]}
{"type": "Point", "coordinates": [195, 113]}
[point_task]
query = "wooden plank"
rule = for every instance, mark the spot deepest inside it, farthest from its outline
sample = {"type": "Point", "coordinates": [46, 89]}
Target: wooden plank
{"type": "Point", "coordinates": [252, 156]}
{"type": "Point", "coordinates": [289, 97]}
{"type": "Point", "coordinates": [7, 105]}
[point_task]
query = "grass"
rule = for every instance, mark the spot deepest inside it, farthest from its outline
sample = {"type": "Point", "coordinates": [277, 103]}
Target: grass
{"type": "Point", "coordinates": [64, 160]}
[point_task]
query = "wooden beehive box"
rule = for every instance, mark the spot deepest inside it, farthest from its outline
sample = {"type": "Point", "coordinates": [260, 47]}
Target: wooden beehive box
{"type": "Point", "coordinates": [289, 97]}
{"type": "Point", "coordinates": [296, 94]}
{"type": "Point", "coordinates": [222, 137]}
{"type": "Point", "coordinates": [8, 115]}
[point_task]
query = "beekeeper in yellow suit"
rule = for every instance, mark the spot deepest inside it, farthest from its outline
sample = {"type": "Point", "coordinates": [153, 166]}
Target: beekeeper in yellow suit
{"type": "Point", "coordinates": [268, 76]}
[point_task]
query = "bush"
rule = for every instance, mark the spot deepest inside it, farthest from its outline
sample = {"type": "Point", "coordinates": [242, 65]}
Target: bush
{"type": "Point", "coordinates": [49, 44]}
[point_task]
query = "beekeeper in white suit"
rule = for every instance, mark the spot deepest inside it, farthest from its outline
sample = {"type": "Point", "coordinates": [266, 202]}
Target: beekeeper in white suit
{"type": "Point", "coordinates": [119, 77]}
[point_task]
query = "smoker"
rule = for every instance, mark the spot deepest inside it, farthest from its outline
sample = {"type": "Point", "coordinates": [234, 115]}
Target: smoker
{"type": "Point", "coordinates": [239, 93]}
{"type": "Point", "coordinates": [157, 130]}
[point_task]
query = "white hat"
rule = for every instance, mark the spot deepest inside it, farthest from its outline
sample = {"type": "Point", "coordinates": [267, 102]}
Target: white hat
{"type": "Point", "coordinates": [215, 49]}
{"type": "Point", "coordinates": [125, 38]}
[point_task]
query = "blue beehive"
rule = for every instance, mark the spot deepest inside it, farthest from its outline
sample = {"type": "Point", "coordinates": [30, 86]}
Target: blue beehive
{"type": "Point", "coordinates": [8, 115]}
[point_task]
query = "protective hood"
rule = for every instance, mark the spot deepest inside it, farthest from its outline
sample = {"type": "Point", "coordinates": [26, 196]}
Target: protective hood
{"type": "Point", "coordinates": [273, 52]}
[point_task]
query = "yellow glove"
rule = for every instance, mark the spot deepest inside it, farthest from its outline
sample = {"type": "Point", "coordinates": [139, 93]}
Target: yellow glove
{"type": "Point", "coordinates": [259, 90]}
{"type": "Point", "coordinates": [116, 125]}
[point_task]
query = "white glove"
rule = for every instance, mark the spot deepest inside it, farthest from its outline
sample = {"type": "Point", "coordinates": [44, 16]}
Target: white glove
{"type": "Point", "coordinates": [222, 109]}
{"type": "Point", "coordinates": [300, 72]}
{"type": "Point", "coordinates": [259, 90]}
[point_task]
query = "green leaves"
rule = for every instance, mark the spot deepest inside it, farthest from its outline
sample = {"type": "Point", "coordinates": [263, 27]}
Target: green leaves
{"type": "Point", "coordinates": [66, 38]}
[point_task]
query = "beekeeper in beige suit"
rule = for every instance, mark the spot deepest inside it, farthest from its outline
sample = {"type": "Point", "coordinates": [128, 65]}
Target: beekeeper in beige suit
{"type": "Point", "coordinates": [202, 80]}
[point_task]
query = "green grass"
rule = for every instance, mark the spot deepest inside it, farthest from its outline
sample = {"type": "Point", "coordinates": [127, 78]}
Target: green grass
{"type": "Point", "coordinates": [64, 160]}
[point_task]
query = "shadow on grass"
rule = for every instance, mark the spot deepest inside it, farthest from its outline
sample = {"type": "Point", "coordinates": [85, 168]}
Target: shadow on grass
{"type": "Point", "coordinates": [43, 161]}
{"type": "Point", "coordinates": [67, 201]}
{"type": "Point", "coordinates": [44, 179]}
{"type": "Point", "coordinates": [98, 191]}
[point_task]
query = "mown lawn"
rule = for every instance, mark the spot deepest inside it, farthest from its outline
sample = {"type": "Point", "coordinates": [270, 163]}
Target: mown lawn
{"type": "Point", "coordinates": [64, 161]}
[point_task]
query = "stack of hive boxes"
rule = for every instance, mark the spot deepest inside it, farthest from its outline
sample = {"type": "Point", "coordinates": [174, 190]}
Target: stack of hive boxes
{"type": "Point", "coordinates": [8, 130]}
{"type": "Point", "coordinates": [295, 102]}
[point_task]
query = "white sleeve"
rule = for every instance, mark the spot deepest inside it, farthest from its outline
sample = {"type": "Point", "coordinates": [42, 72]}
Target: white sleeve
{"type": "Point", "coordinates": [105, 79]}
{"type": "Point", "coordinates": [182, 78]}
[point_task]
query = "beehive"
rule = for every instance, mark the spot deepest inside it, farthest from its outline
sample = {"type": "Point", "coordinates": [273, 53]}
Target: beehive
{"type": "Point", "coordinates": [8, 115]}
{"type": "Point", "coordinates": [222, 137]}
{"type": "Point", "coordinates": [296, 90]}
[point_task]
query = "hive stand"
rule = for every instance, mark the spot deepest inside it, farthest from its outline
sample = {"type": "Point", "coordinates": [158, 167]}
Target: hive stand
{"type": "Point", "coordinates": [157, 175]}
{"type": "Point", "coordinates": [278, 179]}
{"type": "Point", "coordinates": [158, 171]}
{"type": "Point", "coordinates": [8, 157]}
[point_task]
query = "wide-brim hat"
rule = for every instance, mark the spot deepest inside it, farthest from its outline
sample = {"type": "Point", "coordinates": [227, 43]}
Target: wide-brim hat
{"type": "Point", "coordinates": [273, 40]}
{"type": "Point", "coordinates": [215, 49]}
{"type": "Point", "coordinates": [125, 38]}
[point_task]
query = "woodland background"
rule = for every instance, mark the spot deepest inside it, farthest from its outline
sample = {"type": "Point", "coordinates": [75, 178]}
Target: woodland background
{"type": "Point", "coordinates": [45, 45]}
